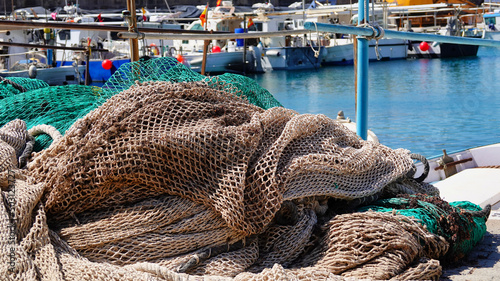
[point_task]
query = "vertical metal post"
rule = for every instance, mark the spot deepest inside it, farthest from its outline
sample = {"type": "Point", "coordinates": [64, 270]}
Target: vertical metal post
{"type": "Point", "coordinates": [204, 60]}
{"type": "Point", "coordinates": [362, 75]}
{"type": "Point", "coordinates": [245, 44]}
{"type": "Point", "coordinates": [134, 43]}
{"type": "Point", "coordinates": [87, 67]}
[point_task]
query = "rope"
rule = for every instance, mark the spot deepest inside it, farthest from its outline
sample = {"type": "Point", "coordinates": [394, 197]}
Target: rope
{"type": "Point", "coordinates": [15, 85]}
{"type": "Point", "coordinates": [45, 129]}
{"type": "Point", "coordinates": [424, 161]}
{"type": "Point", "coordinates": [378, 33]}
{"type": "Point", "coordinates": [316, 53]}
{"type": "Point", "coordinates": [28, 148]}
{"type": "Point", "coordinates": [39, 53]}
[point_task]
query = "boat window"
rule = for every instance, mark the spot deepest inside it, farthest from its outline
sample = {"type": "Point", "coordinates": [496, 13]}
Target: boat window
{"type": "Point", "coordinates": [489, 21]}
{"type": "Point", "coordinates": [224, 10]}
{"type": "Point", "coordinates": [197, 27]}
{"type": "Point", "coordinates": [221, 26]}
{"type": "Point", "coordinates": [258, 26]}
{"type": "Point", "coordinates": [64, 34]}
{"type": "Point", "coordinates": [281, 26]}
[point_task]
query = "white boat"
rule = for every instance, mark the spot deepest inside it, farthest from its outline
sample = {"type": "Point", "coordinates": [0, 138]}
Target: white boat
{"type": "Point", "coordinates": [287, 52]}
{"type": "Point", "coordinates": [341, 51]}
{"type": "Point", "coordinates": [222, 55]}
{"type": "Point", "coordinates": [29, 62]}
{"type": "Point", "coordinates": [468, 175]}
{"type": "Point", "coordinates": [61, 75]}
{"type": "Point", "coordinates": [491, 28]}
{"type": "Point", "coordinates": [219, 62]}
{"type": "Point", "coordinates": [446, 50]}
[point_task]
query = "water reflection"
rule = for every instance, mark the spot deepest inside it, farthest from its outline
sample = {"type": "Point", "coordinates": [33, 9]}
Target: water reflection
{"type": "Point", "coordinates": [423, 105]}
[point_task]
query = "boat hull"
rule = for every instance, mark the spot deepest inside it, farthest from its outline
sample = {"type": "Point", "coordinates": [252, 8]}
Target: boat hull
{"type": "Point", "coordinates": [291, 58]}
{"type": "Point", "coordinates": [342, 52]}
{"type": "Point", "coordinates": [443, 50]}
{"type": "Point", "coordinates": [53, 76]}
{"type": "Point", "coordinates": [221, 62]}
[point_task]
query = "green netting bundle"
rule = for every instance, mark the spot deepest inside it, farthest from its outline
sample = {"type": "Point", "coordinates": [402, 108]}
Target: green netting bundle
{"type": "Point", "coordinates": [253, 92]}
{"type": "Point", "coordinates": [169, 69]}
{"type": "Point", "coordinates": [462, 224]}
{"type": "Point", "coordinates": [58, 106]}
{"type": "Point", "coordinates": [61, 106]}
{"type": "Point", "coordinates": [15, 85]}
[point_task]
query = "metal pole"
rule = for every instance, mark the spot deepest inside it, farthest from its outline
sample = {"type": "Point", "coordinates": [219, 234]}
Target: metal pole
{"type": "Point", "coordinates": [134, 43]}
{"type": "Point", "coordinates": [206, 42]}
{"type": "Point", "coordinates": [362, 75]}
{"type": "Point", "coordinates": [210, 36]}
{"type": "Point", "coordinates": [366, 31]}
{"type": "Point", "coordinates": [28, 45]}
{"type": "Point", "coordinates": [87, 68]}
{"type": "Point", "coordinates": [245, 44]}
{"type": "Point", "coordinates": [204, 61]}
{"type": "Point", "coordinates": [9, 24]}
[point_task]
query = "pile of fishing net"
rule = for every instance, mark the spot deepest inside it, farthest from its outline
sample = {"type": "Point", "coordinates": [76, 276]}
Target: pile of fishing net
{"type": "Point", "coordinates": [181, 177]}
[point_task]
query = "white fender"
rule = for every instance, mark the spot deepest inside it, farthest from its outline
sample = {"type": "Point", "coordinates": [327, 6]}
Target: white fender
{"type": "Point", "coordinates": [32, 71]}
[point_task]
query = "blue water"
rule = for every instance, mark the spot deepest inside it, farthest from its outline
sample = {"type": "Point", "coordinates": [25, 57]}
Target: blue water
{"type": "Point", "coordinates": [424, 105]}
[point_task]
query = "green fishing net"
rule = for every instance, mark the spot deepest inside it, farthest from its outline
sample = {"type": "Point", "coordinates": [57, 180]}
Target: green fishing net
{"type": "Point", "coordinates": [61, 106]}
{"type": "Point", "coordinates": [169, 69]}
{"type": "Point", "coordinates": [10, 86]}
{"type": "Point", "coordinates": [461, 223]}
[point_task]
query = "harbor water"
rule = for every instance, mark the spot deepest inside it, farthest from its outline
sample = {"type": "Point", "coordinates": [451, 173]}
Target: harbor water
{"type": "Point", "coordinates": [423, 105]}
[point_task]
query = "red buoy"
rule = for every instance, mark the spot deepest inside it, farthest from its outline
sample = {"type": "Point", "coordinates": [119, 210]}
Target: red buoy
{"type": "Point", "coordinates": [107, 64]}
{"type": "Point", "coordinates": [215, 49]}
{"type": "Point", "coordinates": [180, 58]}
{"type": "Point", "coordinates": [424, 46]}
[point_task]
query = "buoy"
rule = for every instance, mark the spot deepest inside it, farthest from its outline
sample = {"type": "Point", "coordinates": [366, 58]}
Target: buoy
{"type": "Point", "coordinates": [154, 49]}
{"type": "Point", "coordinates": [424, 46]}
{"type": "Point", "coordinates": [215, 49]}
{"type": "Point", "coordinates": [32, 71]}
{"type": "Point", "coordinates": [107, 64]}
{"type": "Point", "coordinates": [180, 58]}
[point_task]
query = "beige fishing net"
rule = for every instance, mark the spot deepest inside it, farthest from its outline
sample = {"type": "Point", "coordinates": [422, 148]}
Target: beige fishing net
{"type": "Point", "coordinates": [182, 181]}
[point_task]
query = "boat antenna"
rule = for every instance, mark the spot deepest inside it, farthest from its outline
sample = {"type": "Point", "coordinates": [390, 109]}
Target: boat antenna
{"type": "Point", "coordinates": [304, 10]}
{"type": "Point", "coordinates": [168, 7]}
{"type": "Point", "coordinates": [373, 11]}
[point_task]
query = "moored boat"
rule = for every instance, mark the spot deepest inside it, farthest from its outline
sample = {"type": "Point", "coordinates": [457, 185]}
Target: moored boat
{"type": "Point", "coordinates": [29, 59]}
{"type": "Point", "coordinates": [470, 174]}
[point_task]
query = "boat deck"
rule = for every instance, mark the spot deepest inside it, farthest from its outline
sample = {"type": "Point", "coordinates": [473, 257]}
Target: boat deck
{"type": "Point", "coordinates": [477, 185]}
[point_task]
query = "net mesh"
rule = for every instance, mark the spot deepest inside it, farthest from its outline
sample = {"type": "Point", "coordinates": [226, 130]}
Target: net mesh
{"type": "Point", "coordinates": [454, 221]}
{"type": "Point", "coordinates": [170, 175]}
{"type": "Point", "coordinates": [15, 85]}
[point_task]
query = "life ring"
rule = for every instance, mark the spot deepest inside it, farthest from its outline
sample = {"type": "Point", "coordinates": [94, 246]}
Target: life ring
{"type": "Point", "coordinates": [154, 49]}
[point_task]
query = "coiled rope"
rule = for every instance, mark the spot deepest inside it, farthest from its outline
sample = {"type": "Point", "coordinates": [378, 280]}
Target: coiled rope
{"type": "Point", "coordinates": [424, 161]}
